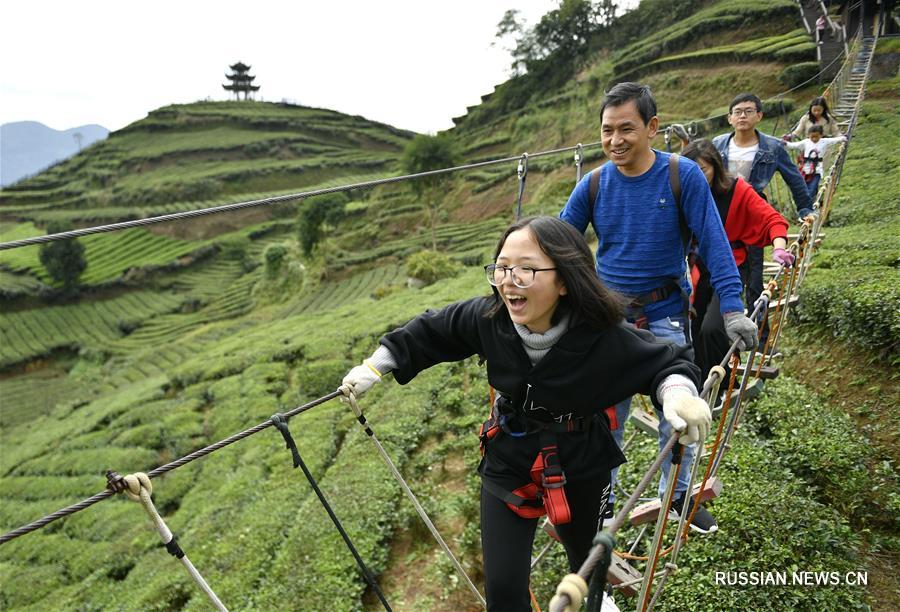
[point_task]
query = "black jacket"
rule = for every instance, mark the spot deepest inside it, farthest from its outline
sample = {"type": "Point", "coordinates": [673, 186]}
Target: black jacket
{"type": "Point", "coordinates": [583, 373]}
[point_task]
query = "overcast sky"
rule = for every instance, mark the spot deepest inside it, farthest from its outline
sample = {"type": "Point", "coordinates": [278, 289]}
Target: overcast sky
{"type": "Point", "coordinates": [414, 64]}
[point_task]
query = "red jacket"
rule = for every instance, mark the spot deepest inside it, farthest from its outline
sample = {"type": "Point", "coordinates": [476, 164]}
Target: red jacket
{"type": "Point", "coordinates": [752, 221]}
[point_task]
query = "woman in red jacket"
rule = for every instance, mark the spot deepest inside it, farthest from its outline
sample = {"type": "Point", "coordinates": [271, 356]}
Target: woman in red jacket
{"type": "Point", "coordinates": [749, 220]}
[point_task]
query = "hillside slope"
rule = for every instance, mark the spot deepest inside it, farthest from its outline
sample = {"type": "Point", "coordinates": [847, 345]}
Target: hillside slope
{"type": "Point", "coordinates": [213, 326]}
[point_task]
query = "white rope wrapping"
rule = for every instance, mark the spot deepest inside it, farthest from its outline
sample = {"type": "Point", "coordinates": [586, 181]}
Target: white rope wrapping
{"type": "Point", "coordinates": [570, 593]}
{"type": "Point", "coordinates": [139, 489]}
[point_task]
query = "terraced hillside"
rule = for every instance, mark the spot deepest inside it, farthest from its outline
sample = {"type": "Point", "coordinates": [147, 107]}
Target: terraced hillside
{"type": "Point", "coordinates": [186, 333]}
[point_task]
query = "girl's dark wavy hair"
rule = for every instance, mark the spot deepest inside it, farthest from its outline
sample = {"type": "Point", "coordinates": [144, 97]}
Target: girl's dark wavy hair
{"type": "Point", "coordinates": [706, 150]}
{"type": "Point", "coordinates": [820, 101]}
{"type": "Point", "coordinates": [587, 298]}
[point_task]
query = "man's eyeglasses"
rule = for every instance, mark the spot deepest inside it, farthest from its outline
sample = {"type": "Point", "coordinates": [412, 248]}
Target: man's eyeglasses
{"type": "Point", "coordinates": [522, 276]}
{"type": "Point", "coordinates": [743, 112]}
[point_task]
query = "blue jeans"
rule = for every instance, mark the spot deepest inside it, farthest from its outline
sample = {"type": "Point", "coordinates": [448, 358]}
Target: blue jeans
{"type": "Point", "coordinates": [813, 186]}
{"type": "Point", "coordinates": [673, 330]}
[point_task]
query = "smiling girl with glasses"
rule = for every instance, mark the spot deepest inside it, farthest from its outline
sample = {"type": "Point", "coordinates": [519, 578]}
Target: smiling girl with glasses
{"type": "Point", "coordinates": [557, 354]}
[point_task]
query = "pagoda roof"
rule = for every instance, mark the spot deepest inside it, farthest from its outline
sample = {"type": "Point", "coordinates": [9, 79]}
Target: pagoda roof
{"type": "Point", "coordinates": [240, 67]}
{"type": "Point", "coordinates": [239, 78]}
{"type": "Point", "coordinates": [240, 87]}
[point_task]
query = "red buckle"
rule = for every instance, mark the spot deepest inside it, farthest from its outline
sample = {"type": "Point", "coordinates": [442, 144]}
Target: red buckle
{"type": "Point", "coordinates": [613, 419]}
{"type": "Point", "coordinates": [553, 481]}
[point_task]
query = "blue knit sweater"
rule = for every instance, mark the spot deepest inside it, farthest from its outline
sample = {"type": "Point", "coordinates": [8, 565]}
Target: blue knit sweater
{"type": "Point", "coordinates": [640, 248]}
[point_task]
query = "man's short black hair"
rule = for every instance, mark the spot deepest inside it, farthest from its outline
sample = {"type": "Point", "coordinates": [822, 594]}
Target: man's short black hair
{"type": "Point", "coordinates": [815, 129]}
{"type": "Point", "coordinates": [624, 93]}
{"type": "Point", "coordinates": [746, 97]}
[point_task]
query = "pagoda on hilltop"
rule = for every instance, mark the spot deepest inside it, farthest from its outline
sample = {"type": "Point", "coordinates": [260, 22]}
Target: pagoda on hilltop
{"type": "Point", "coordinates": [240, 81]}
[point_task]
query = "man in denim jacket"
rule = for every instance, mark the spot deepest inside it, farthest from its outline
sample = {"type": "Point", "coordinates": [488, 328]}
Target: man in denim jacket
{"type": "Point", "coordinates": [754, 156]}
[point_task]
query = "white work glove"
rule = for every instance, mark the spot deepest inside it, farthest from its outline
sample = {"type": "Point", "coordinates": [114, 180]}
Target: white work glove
{"type": "Point", "coordinates": [684, 411]}
{"type": "Point", "coordinates": [737, 325]}
{"type": "Point", "coordinates": [361, 378]}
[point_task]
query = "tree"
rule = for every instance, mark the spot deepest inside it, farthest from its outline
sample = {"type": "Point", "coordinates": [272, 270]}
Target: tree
{"type": "Point", "coordinates": [317, 216]}
{"type": "Point", "coordinates": [561, 39]}
{"type": "Point", "coordinates": [63, 259]}
{"type": "Point", "coordinates": [424, 153]}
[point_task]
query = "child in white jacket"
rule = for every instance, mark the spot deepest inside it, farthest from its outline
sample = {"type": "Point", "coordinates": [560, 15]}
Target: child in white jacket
{"type": "Point", "coordinates": [813, 147]}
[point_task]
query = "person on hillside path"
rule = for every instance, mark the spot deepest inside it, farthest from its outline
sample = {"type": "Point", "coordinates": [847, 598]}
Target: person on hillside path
{"type": "Point", "coordinates": [641, 244]}
{"type": "Point", "coordinates": [756, 157]}
{"type": "Point", "coordinates": [557, 352]}
{"type": "Point", "coordinates": [749, 221]}
{"type": "Point", "coordinates": [817, 114]}
{"type": "Point", "coordinates": [812, 157]}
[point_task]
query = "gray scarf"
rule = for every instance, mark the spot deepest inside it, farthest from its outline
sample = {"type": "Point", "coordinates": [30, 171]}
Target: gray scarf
{"type": "Point", "coordinates": [537, 345]}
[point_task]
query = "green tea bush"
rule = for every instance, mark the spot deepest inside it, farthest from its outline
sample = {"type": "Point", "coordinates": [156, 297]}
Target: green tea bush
{"type": "Point", "coordinates": [805, 536]}
{"type": "Point", "coordinates": [862, 306]}
{"type": "Point", "coordinates": [430, 266]}
{"type": "Point", "coordinates": [804, 431]}
{"type": "Point", "coordinates": [795, 74]}
{"type": "Point", "coordinates": [274, 257]}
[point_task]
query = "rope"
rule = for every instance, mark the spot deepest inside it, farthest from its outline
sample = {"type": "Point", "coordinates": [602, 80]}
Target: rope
{"type": "Point", "coordinates": [281, 425]}
{"type": "Point", "coordinates": [661, 521]}
{"type": "Point", "coordinates": [360, 417]}
{"type": "Point", "coordinates": [112, 227]}
{"type": "Point", "coordinates": [598, 551]}
{"type": "Point", "coordinates": [139, 488]}
{"type": "Point", "coordinates": [86, 503]}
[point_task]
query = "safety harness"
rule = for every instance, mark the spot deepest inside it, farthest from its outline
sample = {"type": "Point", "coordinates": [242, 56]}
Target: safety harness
{"type": "Point", "coordinates": [634, 312]}
{"type": "Point", "coordinates": [546, 493]}
{"type": "Point", "coordinates": [807, 165]}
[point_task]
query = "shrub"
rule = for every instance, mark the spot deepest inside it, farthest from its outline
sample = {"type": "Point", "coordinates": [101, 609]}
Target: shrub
{"type": "Point", "coordinates": [862, 307]}
{"type": "Point", "coordinates": [430, 266]}
{"type": "Point", "coordinates": [64, 260]}
{"type": "Point", "coordinates": [783, 415]}
{"type": "Point", "coordinates": [274, 257]}
{"type": "Point", "coordinates": [795, 74]}
{"type": "Point", "coordinates": [316, 216]}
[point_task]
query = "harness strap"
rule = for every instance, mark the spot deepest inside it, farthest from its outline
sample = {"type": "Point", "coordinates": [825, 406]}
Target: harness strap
{"type": "Point", "coordinates": [508, 496]}
{"type": "Point", "coordinates": [553, 480]}
{"type": "Point", "coordinates": [545, 494]}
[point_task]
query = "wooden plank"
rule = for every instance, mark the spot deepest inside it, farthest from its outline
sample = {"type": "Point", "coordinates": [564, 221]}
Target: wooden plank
{"type": "Point", "coordinates": [754, 388]}
{"type": "Point", "coordinates": [648, 512]}
{"type": "Point", "coordinates": [648, 423]}
{"type": "Point", "coordinates": [620, 571]}
{"type": "Point", "coordinates": [792, 301]}
{"type": "Point", "coordinates": [766, 373]}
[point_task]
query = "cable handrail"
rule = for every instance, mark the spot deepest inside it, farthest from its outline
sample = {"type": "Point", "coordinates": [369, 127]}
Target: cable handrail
{"type": "Point", "coordinates": [198, 212]}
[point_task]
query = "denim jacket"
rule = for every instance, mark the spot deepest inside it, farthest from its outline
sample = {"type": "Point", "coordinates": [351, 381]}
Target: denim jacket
{"type": "Point", "coordinates": [771, 157]}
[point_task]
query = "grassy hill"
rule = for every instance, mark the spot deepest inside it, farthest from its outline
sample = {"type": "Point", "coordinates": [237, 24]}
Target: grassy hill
{"type": "Point", "coordinates": [186, 333]}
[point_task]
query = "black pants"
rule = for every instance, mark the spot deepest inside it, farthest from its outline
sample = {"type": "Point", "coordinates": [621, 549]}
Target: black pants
{"type": "Point", "coordinates": [752, 275]}
{"type": "Point", "coordinates": [507, 540]}
{"type": "Point", "coordinates": [711, 342]}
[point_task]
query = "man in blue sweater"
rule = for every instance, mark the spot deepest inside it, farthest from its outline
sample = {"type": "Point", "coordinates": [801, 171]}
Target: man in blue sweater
{"type": "Point", "coordinates": [642, 250]}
